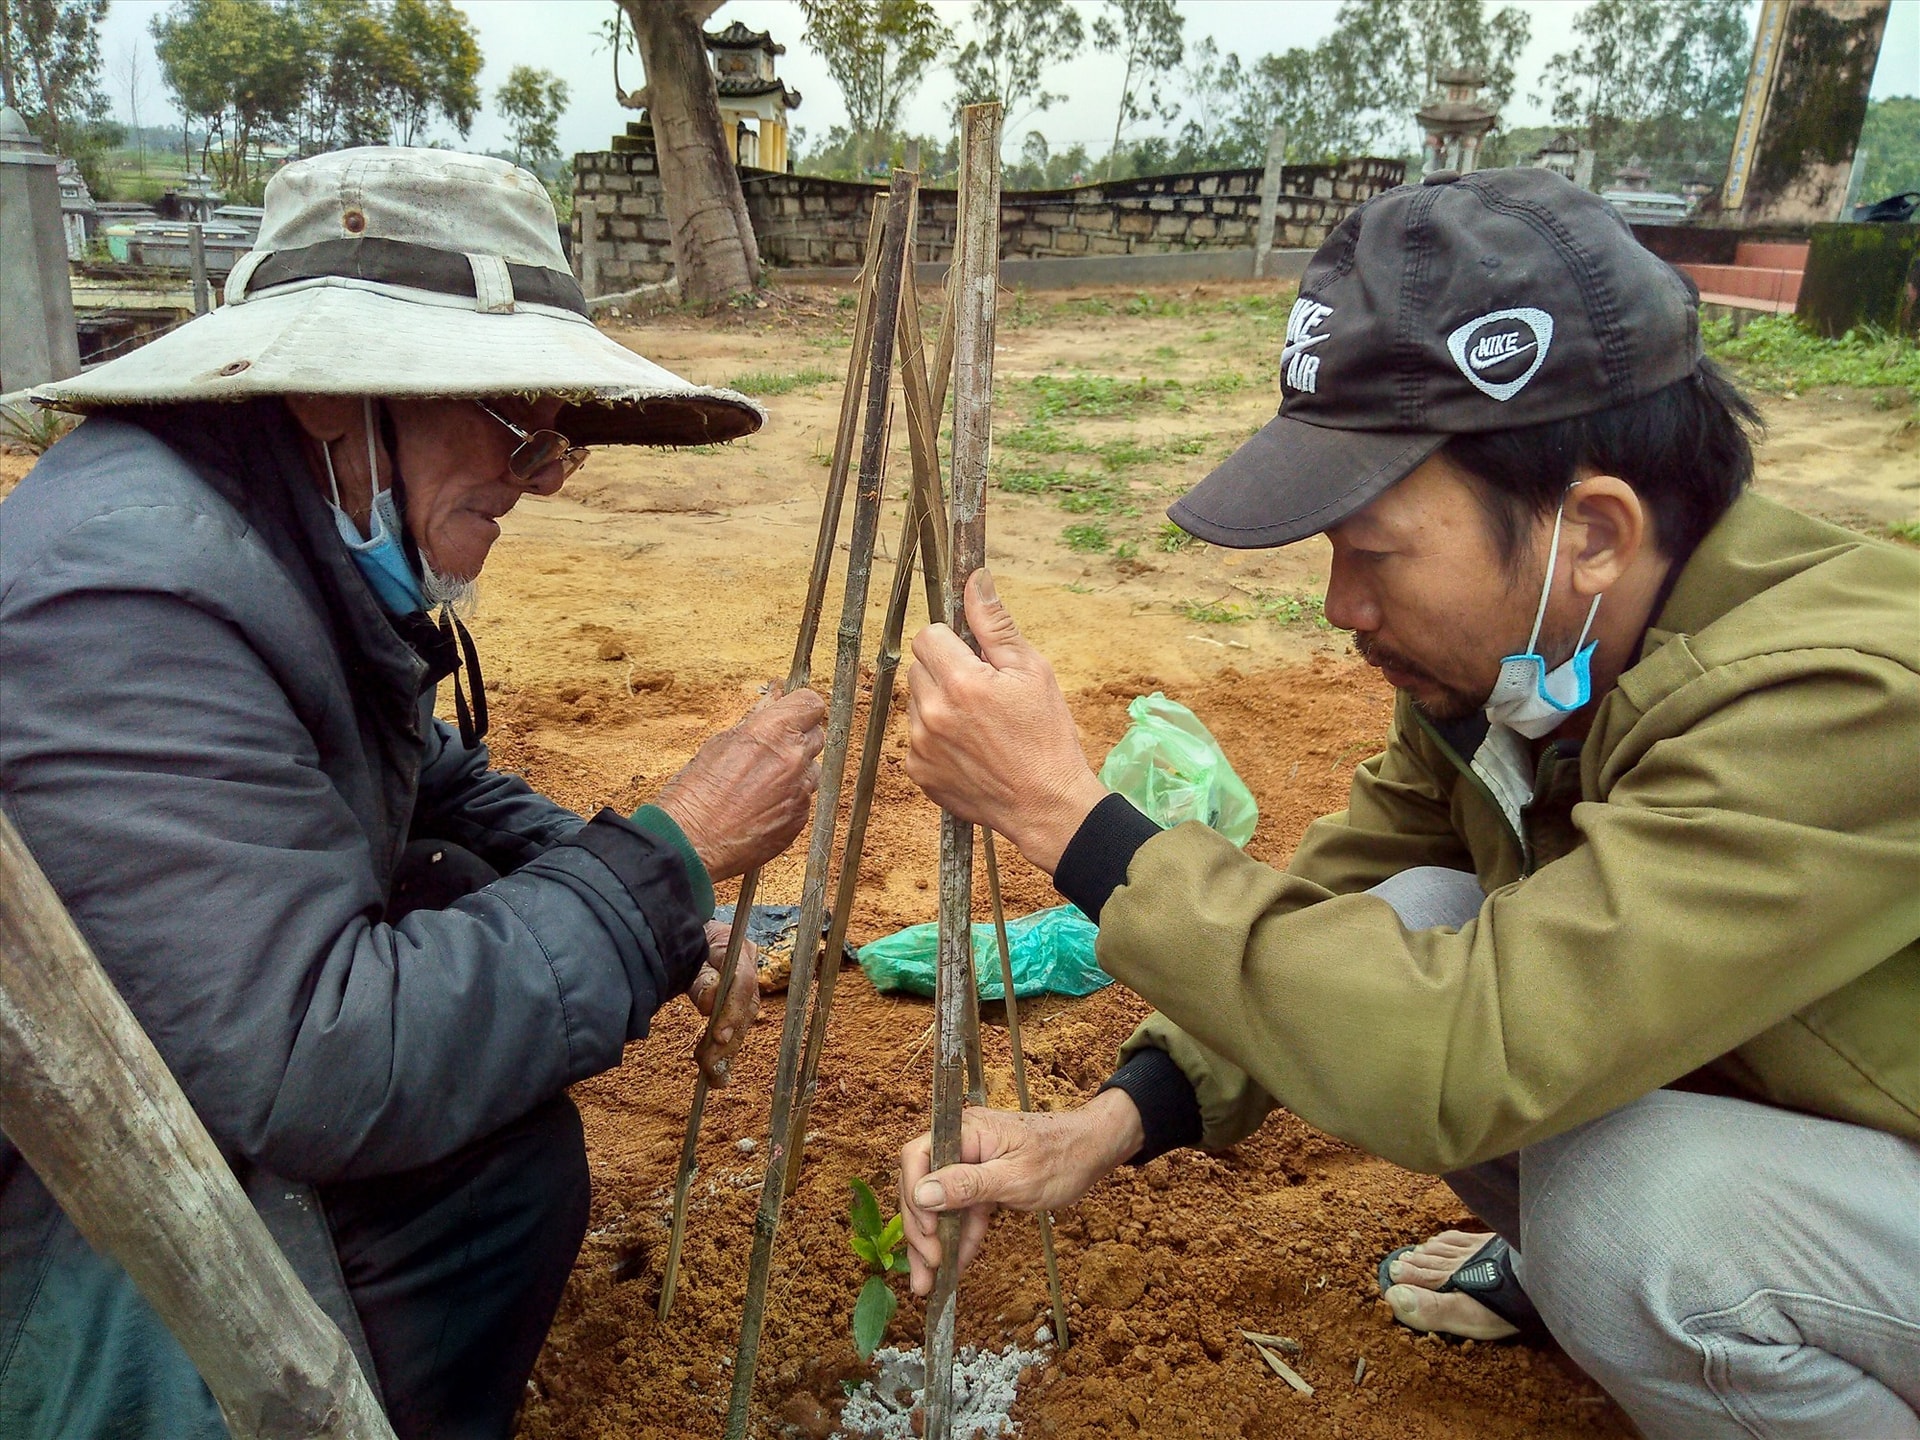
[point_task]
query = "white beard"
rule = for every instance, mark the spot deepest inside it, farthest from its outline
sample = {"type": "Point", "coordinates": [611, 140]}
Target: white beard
{"type": "Point", "coordinates": [460, 596]}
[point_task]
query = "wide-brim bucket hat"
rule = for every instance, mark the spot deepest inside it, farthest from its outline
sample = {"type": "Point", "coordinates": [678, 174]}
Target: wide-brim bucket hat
{"type": "Point", "coordinates": [412, 274]}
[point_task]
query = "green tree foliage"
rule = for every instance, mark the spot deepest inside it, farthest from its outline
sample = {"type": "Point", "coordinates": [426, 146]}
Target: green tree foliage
{"type": "Point", "coordinates": [1351, 94]}
{"type": "Point", "coordinates": [877, 52]}
{"type": "Point", "coordinates": [50, 73]}
{"type": "Point", "coordinates": [314, 74]}
{"type": "Point", "coordinates": [1890, 149]}
{"type": "Point", "coordinates": [440, 78]}
{"type": "Point", "coordinates": [532, 102]}
{"type": "Point", "coordinates": [1148, 34]}
{"type": "Point", "coordinates": [1014, 44]}
{"type": "Point", "coordinates": [237, 68]}
{"type": "Point", "coordinates": [1658, 79]}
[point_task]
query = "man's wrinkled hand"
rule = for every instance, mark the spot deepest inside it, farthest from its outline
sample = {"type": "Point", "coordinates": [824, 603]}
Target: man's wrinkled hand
{"type": "Point", "coordinates": [714, 1054]}
{"type": "Point", "coordinates": [990, 736]}
{"type": "Point", "coordinates": [746, 794]}
{"type": "Point", "coordinates": [1039, 1161]}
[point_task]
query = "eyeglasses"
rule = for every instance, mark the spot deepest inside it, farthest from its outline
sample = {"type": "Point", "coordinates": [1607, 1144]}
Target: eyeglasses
{"type": "Point", "coordinates": [538, 451]}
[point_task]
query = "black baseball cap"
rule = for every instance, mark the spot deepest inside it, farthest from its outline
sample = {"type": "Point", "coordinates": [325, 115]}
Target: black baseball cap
{"type": "Point", "coordinates": [1462, 304]}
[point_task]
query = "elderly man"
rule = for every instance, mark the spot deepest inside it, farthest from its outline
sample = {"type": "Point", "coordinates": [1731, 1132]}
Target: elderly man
{"type": "Point", "coordinates": [374, 963]}
{"type": "Point", "coordinates": [1622, 930]}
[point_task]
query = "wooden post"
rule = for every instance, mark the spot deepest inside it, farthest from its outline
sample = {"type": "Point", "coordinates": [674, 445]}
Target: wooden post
{"type": "Point", "coordinates": [1269, 198]}
{"type": "Point", "coordinates": [197, 265]}
{"type": "Point", "coordinates": [974, 294]}
{"type": "Point", "coordinates": [92, 1107]}
{"type": "Point", "coordinates": [813, 895]}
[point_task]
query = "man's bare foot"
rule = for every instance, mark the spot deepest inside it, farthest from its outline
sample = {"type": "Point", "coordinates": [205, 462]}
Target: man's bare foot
{"type": "Point", "coordinates": [1415, 1276]}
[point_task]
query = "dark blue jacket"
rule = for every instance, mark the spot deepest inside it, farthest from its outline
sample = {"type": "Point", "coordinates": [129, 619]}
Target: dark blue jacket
{"type": "Point", "coordinates": [217, 746]}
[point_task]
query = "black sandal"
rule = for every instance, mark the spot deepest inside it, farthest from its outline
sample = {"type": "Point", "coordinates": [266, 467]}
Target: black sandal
{"type": "Point", "coordinates": [1487, 1275]}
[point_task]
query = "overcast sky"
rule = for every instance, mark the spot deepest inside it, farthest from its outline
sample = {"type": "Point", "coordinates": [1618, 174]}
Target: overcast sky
{"type": "Point", "coordinates": [560, 35]}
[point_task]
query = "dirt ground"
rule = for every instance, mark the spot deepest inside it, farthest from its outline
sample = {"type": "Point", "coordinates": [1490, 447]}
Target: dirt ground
{"type": "Point", "coordinates": [630, 616]}
{"type": "Point", "coordinates": [626, 619]}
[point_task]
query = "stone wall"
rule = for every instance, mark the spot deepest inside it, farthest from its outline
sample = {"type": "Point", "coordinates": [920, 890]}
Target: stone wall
{"type": "Point", "coordinates": [805, 220]}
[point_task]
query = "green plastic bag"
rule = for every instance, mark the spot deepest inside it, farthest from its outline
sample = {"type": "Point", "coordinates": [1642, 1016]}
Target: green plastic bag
{"type": "Point", "coordinates": [1052, 952]}
{"type": "Point", "coordinates": [1170, 766]}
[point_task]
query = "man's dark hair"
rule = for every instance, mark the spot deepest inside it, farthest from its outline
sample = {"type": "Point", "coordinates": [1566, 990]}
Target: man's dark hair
{"type": "Point", "coordinates": [1685, 449]}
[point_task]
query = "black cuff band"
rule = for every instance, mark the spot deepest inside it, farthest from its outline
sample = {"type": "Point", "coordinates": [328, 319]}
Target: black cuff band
{"type": "Point", "coordinates": [1160, 1091]}
{"type": "Point", "coordinates": [651, 869]}
{"type": "Point", "coordinates": [1094, 864]}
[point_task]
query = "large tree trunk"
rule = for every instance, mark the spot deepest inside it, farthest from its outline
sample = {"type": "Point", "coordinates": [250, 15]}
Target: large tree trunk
{"type": "Point", "coordinates": [714, 253]}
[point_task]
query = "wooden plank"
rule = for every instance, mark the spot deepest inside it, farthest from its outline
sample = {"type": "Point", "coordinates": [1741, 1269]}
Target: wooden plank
{"type": "Point", "coordinates": [93, 1108]}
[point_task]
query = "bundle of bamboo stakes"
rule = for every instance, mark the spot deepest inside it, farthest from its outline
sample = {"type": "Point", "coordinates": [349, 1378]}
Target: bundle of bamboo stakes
{"type": "Point", "coordinates": [888, 338]}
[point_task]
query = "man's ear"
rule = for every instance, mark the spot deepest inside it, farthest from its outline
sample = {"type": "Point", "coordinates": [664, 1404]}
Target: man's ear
{"type": "Point", "coordinates": [325, 418]}
{"type": "Point", "coordinates": [1611, 529]}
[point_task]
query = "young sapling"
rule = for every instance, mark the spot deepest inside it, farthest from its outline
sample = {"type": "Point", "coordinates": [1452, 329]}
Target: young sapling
{"type": "Point", "coordinates": [879, 1243]}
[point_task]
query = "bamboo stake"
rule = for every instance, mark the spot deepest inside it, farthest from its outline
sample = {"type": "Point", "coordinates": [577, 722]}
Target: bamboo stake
{"type": "Point", "coordinates": [1020, 1078]}
{"type": "Point", "coordinates": [92, 1107]}
{"type": "Point", "coordinates": [846, 678]}
{"type": "Point", "coordinates": [974, 295]}
{"type": "Point", "coordinates": [920, 530]}
{"type": "Point", "coordinates": [799, 671]}
{"type": "Point", "coordinates": [880, 703]}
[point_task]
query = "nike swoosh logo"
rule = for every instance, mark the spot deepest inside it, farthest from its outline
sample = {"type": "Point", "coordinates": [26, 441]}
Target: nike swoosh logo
{"type": "Point", "coordinates": [1287, 352]}
{"type": "Point", "coordinates": [1477, 363]}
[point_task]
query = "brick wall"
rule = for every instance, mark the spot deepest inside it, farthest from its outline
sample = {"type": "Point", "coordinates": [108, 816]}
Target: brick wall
{"type": "Point", "coordinates": [807, 220]}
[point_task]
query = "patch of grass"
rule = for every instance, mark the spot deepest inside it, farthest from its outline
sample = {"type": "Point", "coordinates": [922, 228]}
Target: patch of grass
{"type": "Point", "coordinates": [1087, 539]}
{"type": "Point", "coordinates": [1171, 539]}
{"type": "Point", "coordinates": [1227, 382]}
{"type": "Point", "coordinates": [850, 301]}
{"type": "Point", "coordinates": [1777, 352]}
{"type": "Point", "coordinates": [1907, 532]}
{"type": "Point", "coordinates": [1213, 612]}
{"type": "Point", "coordinates": [1020, 313]}
{"type": "Point", "coordinates": [770, 382]}
{"type": "Point", "coordinates": [1291, 608]}
{"type": "Point", "coordinates": [1078, 492]}
{"type": "Point", "coordinates": [33, 428]}
{"type": "Point", "coordinates": [1088, 305]}
{"type": "Point", "coordinates": [1127, 452]}
{"type": "Point", "coordinates": [1206, 337]}
{"type": "Point", "coordinates": [1091, 395]}
{"type": "Point", "coordinates": [1126, 550]}
{"type": "Point", "coordinates": [1041, 439]}
{"type": "Point", "coordinates": [1034, 482]}
{"type": "Point", "coordinates": [1187, 445]}
{"type": "Point", "coordinates": [1164, 352]}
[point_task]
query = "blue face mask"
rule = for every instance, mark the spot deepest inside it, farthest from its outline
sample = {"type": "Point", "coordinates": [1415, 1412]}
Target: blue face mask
{"type": "Point", "coordinates": [1530, 699]}
{"type": "Point", "coordinates": [381, 558]}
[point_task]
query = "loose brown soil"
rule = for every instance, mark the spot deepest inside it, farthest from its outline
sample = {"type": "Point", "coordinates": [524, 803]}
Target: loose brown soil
{"type": "Point", "coordinates": [627, 619]}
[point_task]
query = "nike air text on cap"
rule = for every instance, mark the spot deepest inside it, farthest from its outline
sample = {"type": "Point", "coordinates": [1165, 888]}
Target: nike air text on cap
{"type": "Point", "coordinates": [1489, 301]}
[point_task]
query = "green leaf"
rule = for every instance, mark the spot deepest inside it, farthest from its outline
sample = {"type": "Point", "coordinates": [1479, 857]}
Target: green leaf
{"type": "Point", "coordinates": [900, 1262]}
{"type": "Point", "coordinates": [866, 1210]}
{"type": "Point", "coordinates": [890, 1237]}
{"type": "Point", "coordinates": [869, 1252]}
{"type": "Point", "coordinates": [871, 1312]}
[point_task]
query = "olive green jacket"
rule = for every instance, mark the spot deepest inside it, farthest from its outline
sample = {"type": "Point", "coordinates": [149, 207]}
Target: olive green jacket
{"type": "Point", "coordinates": [1725, 879]}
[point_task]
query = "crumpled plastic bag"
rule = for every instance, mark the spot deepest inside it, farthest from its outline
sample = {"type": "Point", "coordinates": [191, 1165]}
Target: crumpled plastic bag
{"type": "Point", "coordinates": [1052, 952]}
{"type": "Point", "coordinates": [1170, 766]}
{"type": "Point", "coordinates": [772, 928]}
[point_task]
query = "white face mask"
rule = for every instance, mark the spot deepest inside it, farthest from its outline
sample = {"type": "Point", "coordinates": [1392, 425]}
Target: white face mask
{"type": "Point", "coordinates": [1528, 698]}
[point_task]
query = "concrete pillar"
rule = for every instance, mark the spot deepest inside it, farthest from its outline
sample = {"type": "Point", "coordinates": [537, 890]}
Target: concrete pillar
{"type": "Point", "coordinates": [1269, 197]}
{"type": "Point", "coordinates": [1806, 100]}
{"type": "Point", "coordinates": [38, 341]}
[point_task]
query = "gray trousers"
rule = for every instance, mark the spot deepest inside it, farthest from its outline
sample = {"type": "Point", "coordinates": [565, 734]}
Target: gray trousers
{"type": "Point", "coordinates": [1722, 1268]}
